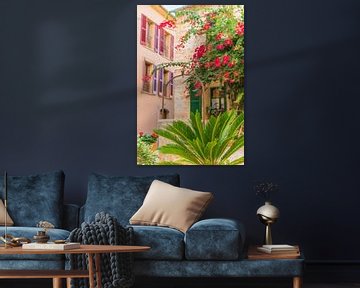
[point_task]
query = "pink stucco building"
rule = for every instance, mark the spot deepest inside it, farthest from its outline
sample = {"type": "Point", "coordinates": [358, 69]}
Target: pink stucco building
{"type": "Point", "coordinates": [155, 87]}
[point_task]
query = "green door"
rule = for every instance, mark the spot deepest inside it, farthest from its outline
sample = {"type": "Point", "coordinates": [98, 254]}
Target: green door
{"type": "Point", "coordinates": [195, 102]}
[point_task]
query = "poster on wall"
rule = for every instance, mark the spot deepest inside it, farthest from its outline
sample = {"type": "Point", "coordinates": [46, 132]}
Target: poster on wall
{"type": "Point", "coordinates": [190, 84]}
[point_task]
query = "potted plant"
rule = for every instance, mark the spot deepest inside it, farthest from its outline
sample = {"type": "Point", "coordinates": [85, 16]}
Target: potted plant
{"type": "Point", "coordinates": [163, 113]}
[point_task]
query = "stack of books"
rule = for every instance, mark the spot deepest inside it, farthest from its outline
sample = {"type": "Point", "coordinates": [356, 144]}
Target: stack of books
{"type": "Point", "coordinates": [51, 246]}
{"type": "Point", "coordinates": [273, 252]}
{"type": "Point", "coordinates": [279, 249]}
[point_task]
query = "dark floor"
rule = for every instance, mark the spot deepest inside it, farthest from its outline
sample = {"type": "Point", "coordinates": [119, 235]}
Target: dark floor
{"type": "Point", "coordinates": [253, 283]}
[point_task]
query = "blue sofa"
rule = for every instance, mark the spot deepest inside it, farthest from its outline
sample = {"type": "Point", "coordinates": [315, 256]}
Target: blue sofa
{"type": "Point", "coordinates": [32, 199]}
{"type": "Point", "coordinates": [210, 248]}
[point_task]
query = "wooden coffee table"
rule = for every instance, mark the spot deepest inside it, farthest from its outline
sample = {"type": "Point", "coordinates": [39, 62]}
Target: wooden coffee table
{"type": "Point", "coordinates": [92, 251]}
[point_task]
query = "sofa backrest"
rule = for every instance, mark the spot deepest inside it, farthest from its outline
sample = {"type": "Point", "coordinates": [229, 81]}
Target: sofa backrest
{"type": "Point", "coordinates": [119, 196]}
{"type": "Point", "coordinates": [35, 198]}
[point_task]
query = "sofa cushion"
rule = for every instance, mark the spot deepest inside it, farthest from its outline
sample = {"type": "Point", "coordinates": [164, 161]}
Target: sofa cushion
{"type": "Point", "coordinates": [119, 196]}
{"type": "Point", "coordinates": [35, 198]}
{"type": "Point", "coordinates": [9, 221]}
{"type": "Point", "coordinates": [169, 206]}
{"type": "Point", "coordinates": [165, 243]}
{"type": "Point", "coordinates": [214, 239]}
{"type": "Point", "coordinates": [29, 232]}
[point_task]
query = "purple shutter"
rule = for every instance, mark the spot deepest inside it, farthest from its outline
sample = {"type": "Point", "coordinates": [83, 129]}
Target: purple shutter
{"type": "Point", "coordinates": [155, 80]}
{"type": "Point", "coordinates": [143, 30]}
{"type": "Point", "coordinates": [161, 80]}
{"type": "Point", "coordinates": [172, 47]}
{"type": "Point", "coordinates": [171, 84]}
{"type": "Point", "coordinates": [156, 38]}
{"type": "Point", "coordinates": [162, 41]}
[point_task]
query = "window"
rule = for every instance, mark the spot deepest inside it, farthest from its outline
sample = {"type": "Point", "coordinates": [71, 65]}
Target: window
{"type": "Point", "coordinates": [149, 78]}
{"type": "Point", "coordinates": [168, 87]}
{"type": "Point", "coordinates": [169, 46]}
{"type": "Point", "coordinates": [150, 32]}
{"type": "Point", "coordinates": [162, 41]}
{"type": "Point", "coordinates": [155, 81]}
{"type": "Point", "coordinates": [161, 80]}
{"type": "Point", "coordinates": [156, 38]}
{"type": "Point", "coordinates": [171, 84]}
{"type": "Point", "coordinates": [147, 32]}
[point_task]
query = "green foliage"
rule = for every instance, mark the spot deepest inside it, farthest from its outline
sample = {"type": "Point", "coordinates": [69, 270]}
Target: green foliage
{"type": "Point", "coordinates": [148, 138]}
{"type": "Point", "coordinates": [145, 155]}
{"type": "Point", "coordinates": [221, 56]}
{"type": "Point", "coordinates": [211, 143]}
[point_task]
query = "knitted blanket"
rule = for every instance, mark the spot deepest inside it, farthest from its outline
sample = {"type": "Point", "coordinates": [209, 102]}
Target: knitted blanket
{"type": "Point", "coordinates": [116, 268]}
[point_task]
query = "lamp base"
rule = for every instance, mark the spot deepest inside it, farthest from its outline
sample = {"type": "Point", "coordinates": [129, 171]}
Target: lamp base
{"type": "Point", "coordinates": [268, 237]}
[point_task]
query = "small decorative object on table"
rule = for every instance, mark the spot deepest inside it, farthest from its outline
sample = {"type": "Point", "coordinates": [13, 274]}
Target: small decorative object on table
{"type": "Point", "coordinates": [267, 252]}
{"type": "Point", "coordinates": [268, 213]}
{"type": "Point", "coordinates": [41, 236]}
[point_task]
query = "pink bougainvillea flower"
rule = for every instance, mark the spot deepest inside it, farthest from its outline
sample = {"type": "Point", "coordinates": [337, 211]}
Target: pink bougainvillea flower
{"type": "Point", "coordinates": [228, 42]}
{"type": "Point", "coordinates": [197, 85]}
{"type": "Point", "coordinates": [231, 64]}
{"type": "Point", "coordinates": [225, 59]}
{"type": "Point", "coordinates": [220, 47]}
{"type": "Point", "coordinates": [199, 52]}
{"type": "Point", "coordinates": [207, 26]}
{"type": "Point", "coordinates": [240, 28]}
{"type": "Point", "coordinates": [219, 36]}
{"type": "Point", "coordinates": [217, 62]}
{"type": "Point", "coordinates": [168, 23]}
{"type": "Point", "coordinates": [146, 78]}
{"type": "Point", "coordinates": [208, 64]}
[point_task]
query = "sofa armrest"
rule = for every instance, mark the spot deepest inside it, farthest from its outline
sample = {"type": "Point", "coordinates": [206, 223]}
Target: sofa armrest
{"type": "Point", "coordinates": [71, 216]}
{"type": "Point", "coordinates": [215, 239]}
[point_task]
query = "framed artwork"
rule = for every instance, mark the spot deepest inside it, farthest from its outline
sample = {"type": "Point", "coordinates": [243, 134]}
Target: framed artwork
{"type": "Point", "coordinates": [190, 84]}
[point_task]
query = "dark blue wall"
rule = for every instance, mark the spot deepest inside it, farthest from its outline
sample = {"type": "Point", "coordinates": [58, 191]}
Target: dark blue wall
{"type": "Point", "coordinates": [68, 101]}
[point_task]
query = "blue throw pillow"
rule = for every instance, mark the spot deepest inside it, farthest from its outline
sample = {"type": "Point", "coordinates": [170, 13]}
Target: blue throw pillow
{"type": "Point", "coordinates": [35, 198]}
{"type": "Point", "coordinates": [120, 196]}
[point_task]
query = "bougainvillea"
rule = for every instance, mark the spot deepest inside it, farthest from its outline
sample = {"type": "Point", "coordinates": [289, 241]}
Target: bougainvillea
{"type": "Point", "coordinates": [220, 57]}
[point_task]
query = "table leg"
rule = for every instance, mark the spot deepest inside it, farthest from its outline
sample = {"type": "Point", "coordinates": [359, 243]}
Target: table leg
{"type": "Point", "coordinates": [68, 282]}
{"type": "Point", "coordinates": [91, 270]}
{"type": "Point", "coordinates": [57, 283]}
{"type": "Point", "coordinates": [98, 270]}
{"type": "Point", "coordinates": [297, 282]}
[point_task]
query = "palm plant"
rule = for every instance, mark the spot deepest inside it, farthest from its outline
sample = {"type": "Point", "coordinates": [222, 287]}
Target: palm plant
{"type": "Point", "coordinates": [212, 143]}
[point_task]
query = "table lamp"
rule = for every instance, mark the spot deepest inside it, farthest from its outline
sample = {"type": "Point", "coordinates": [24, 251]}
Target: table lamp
{"type": "Point", "coordinates": [268, 214]}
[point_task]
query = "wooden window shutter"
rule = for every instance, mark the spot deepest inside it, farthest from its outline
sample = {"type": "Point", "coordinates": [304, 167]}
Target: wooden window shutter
{"type": "Point", "coordinates": [161, 80]}
{"type": "Point", "coordinates": [143, 30]}
{"type": "Point", "coordinates": [172, 47]}
{"type": "Point", "coordinates": [156, 38]}
{"type": "Point", "coordinates": [171, 84]}
{"type": "Point", "coordinates": [162, 41]}
{"type": "Point", "coordinates": [155, 78]}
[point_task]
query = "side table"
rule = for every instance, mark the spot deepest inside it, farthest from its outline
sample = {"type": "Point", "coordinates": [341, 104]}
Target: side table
{"type": "Point", "coordinates": [290, 260]}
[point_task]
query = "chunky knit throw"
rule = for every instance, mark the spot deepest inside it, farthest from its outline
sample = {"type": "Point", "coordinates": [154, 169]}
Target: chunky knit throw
{"type": "Point", "coordinates": [116, 268]}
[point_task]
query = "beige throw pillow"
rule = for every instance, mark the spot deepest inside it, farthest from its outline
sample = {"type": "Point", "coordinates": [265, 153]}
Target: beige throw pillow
{"type": "Point", "coordinates": [170, 206]}
{"type": "Point", "coordinates": [9, 221]}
